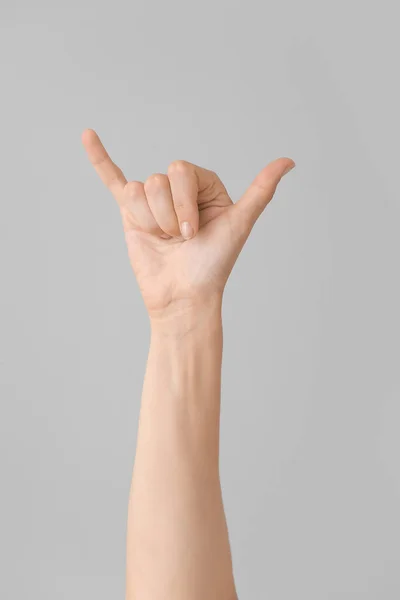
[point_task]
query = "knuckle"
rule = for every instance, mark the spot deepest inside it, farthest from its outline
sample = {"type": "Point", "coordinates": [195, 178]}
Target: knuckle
{"type": "Point", "coordinates": [240, 222]}
{"type": "Point", "coordinates": [154, 181]}
{"type": "Point", "coordinates": [178, 166]}
{"type": "Point", "coordinates": [133, 189]}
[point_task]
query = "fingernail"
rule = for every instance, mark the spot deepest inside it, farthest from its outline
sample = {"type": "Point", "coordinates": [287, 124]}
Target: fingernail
{"type": "Point", "coordinates": [186, 230]}
{"type": "Point", "coordinates": [289, 168]}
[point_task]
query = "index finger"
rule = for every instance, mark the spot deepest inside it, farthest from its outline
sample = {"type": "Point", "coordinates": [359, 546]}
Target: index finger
{"type": "Point", "coordinates": [110, 174]}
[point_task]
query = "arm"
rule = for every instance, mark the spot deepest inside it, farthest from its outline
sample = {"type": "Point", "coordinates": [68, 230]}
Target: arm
{"type": "Point", "coordinates": [176, 525]}
{"type": "Point", "coordinates": [183, 236]}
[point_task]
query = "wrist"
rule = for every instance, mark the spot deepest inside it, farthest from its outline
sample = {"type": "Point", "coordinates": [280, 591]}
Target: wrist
{"type": "Point", "coordinates": [186, 317]}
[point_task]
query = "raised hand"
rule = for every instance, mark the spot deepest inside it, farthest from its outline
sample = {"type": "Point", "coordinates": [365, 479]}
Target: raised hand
{"type": "Point", "coordinates": [182, 229]}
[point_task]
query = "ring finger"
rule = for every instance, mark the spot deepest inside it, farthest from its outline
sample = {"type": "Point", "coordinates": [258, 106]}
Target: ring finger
{"type": "Point", "coordinates": [159, 198]}
{"type": "Point", "coordinates": [136, 209]}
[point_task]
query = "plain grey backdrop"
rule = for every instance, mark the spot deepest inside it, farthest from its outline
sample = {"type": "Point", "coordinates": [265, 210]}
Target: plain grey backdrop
{"type": "Point", "coordinates": [310, 446]}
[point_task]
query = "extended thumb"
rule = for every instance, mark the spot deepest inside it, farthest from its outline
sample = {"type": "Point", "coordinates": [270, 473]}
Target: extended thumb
{"type": "Point", "coordinates": [261, 191]}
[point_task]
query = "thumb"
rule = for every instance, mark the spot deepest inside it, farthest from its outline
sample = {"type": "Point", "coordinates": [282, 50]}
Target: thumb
{"type": "Point", "coordinates": [261, 191]}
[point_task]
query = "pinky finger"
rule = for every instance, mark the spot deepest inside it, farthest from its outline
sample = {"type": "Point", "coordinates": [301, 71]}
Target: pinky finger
{"type": "Point", "coordinates": [110, 174]}
{"type": "Point", "coordinates": [135, 206]}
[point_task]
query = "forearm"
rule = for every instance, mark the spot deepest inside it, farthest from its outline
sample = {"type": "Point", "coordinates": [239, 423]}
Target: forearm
{"type": "Point", "coordinates": [178, 544]}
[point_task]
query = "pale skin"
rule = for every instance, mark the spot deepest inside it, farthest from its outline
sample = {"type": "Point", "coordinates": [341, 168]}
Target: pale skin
{"type": "Point", "coordinates": [183, 235]}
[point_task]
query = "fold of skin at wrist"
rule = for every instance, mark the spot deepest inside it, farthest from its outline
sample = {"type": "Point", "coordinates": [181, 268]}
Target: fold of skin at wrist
{"type": "Point", "coordinates": [188, 316]}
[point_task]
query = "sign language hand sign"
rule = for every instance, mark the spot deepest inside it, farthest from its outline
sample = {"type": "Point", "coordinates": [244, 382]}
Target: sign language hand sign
{"type": "Point", "coordinates": [183, 231]}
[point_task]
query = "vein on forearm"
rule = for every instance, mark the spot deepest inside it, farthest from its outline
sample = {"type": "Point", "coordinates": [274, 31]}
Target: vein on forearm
{"type": "Point", "coordinates": [181, 390]}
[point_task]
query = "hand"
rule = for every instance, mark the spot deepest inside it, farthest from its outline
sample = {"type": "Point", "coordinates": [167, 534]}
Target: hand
{"type": "Point", "coordinates": [182, 229]}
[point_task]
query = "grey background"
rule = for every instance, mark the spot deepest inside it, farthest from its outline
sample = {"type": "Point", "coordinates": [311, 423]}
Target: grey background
{"type": "Point", "coordinates": [311, 416]}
